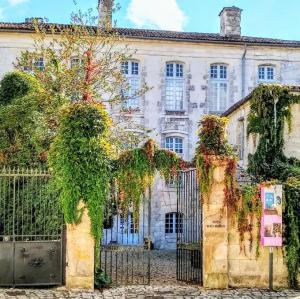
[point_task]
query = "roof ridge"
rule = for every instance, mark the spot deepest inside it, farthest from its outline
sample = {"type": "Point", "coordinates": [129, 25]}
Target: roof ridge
{"type": "Point", "coordinates": [167, 34]}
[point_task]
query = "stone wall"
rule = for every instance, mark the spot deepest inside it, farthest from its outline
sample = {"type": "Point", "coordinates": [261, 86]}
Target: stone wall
{"type": "Point", "coordinates": [227, 262]}
{"type": "Point", "coordinates": [246, 270]}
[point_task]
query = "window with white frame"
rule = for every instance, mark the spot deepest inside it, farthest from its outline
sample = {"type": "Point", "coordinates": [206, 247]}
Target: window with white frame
{"type": "Point", "coordinates": [241, 138]}
{"type": "Point", "coordinates": [37, 63]}
{"type": "Point", "coordinates": [131, 70]}
{"type": "Point", "coordinates": [218, 101]}
{"type": "Point", "coordinates": [130, 224]}
{"type": "Point", "coordinates": [173, 223]}
{"type": "Point", "coordinates": [174, 87]}
{"type": "Point", "coordinates": [266, 73]}
{"type": "Point", "coordinates": [174, 144]}
{"type": "Point", "coordinates": [76, 62]}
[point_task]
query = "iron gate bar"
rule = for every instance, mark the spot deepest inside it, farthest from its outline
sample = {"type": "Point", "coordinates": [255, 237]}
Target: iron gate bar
{"type": "Point", "coordinates": [30, 218]}
{"type": "Point", "coordinates": [125, 246]}
{"type": "Point", "coordinates": [189, 245]}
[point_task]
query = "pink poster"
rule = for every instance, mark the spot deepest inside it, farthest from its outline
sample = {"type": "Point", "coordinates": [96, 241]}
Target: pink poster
{"type": "Point", "coordinates": [271, 223]}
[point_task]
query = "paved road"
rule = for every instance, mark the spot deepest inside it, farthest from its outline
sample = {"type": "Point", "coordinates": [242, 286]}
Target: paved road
{"type": "Point", "coordinates": [148, 292]}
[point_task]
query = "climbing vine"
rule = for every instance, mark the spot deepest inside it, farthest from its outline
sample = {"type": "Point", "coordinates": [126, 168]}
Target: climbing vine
{"type": "Point", "coordinates": [248, 214]}
{"type": "Point", "coordinates": [85, 166]}
{"type": "Point", "coordinates": [270, 111]}
{"type": "Point", "coordinates": [213, 146]}
{"type": "Point", "coordinates": [134, 171]}
{"type": "Point", "coordinates": [244, 203]}
{"type": "Point", "coordinates": [80, 159]}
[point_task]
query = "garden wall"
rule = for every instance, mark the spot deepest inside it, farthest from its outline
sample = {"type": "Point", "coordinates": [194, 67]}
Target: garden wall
{"type": "Point", "coordinates": [246, 270]}
{"type": "Point", "coordinates": [225, 262]}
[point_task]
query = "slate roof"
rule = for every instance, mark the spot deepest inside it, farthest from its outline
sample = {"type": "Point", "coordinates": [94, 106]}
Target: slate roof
{"type": "Point", "coordinates": [166, 35]}
{"type": "Point", "coordinates": [234, 107]}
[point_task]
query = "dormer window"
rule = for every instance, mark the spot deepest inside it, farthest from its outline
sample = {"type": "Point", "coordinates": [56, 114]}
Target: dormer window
{"type": "Point", "coordinates": [266, 73]}
{"type": "Point", "coordinates": [174, 87]}
{"type": "Point", "coordinates": [131, 71]}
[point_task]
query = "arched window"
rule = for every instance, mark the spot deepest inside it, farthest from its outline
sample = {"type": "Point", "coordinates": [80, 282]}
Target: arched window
{"type": "Point", "coordinates": [174, 87]}
{"type": "Point", "coordinates": [131, 70]}
{"type": "Point", "coordinates": [218, 100]}
{"type": "Point", "coordinates": [174, 144]}
{"type": "Point", "coordinates": [266, 73]}
{"type": "Point", "coordinates": [173, 223]}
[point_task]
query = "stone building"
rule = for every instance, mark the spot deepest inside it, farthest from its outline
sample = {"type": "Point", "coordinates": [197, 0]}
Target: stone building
{"type": "Point", "coordinates": [191, 74]}
{"type": "Point", "coordinates": [237, 130]}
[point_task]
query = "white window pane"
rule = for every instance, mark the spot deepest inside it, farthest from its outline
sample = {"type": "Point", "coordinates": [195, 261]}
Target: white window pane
{"type": "Point", "coordinates": [270, 73]}
{"type": "Point", "coordinates": [174, 94]}
{"type": "Point", "coordinates": [170, 70]}
{"type": "Point", "coordinates": [134, 68]}
{"type": "Point", "coordinates": [213, 71]}
{"type": "Point", "coordinates": [39, 63]}
{"type": "Point", "coordinates": [131, 71]}
{"type": "Point", "coordinates": [261, 73]}
{"type": "Point", "coordinates": [174, 144]}
{"type": "Point", "coordinates": [223, 97]}
{"type": "Point", "coordinates": [223, 72]}
{"type": "Point", "coordinates": [74, 62]}
{"type": "Point", "coordinates": [179, 70]}
{"type": "Point", "coordinates": [125, 67]}
{"type": "Point", "coordinates": [131, 95]}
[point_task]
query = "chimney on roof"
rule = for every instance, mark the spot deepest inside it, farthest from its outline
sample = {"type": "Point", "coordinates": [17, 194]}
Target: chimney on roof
{"type": "Point", "coordinates": [34, 20]}
{"type": "Point", "coordinates": [105, 8]}
{"type": "Point", "coordinates": [230, 21]}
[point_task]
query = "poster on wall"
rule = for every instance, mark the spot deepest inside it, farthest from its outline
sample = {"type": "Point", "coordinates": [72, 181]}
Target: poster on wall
{"type": "Point", "coordinates": [271, 224]}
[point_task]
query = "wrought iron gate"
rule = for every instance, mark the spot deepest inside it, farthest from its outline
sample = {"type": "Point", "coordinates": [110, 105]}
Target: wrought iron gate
{"type": "Point", "coordinates": [126, 244]}
{"type": "Point", "coordinates": [31, 230]}
{"type": "Point", "coordinates": [189, 236]}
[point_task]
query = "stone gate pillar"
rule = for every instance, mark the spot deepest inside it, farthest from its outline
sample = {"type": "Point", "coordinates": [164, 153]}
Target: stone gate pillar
{"type": "Point", "coordinates": [215, 231]}
{"type": "Point", "coordinates": [80, 247]}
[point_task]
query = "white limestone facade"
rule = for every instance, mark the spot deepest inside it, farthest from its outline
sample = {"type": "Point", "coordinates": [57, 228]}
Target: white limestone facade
{"type": "Point", "coordinates": [211, 72]}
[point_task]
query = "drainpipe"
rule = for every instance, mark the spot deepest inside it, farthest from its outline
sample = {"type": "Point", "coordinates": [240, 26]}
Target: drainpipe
{"type": "Point", "coordinates": [244, 71]}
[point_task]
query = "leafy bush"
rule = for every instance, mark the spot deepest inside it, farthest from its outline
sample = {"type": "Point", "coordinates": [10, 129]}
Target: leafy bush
{"type": "Point", "coordinates": [16, 85]}
{"type": "Point", "coordinates": [212, 138]}
{"type": "Point", "coordinates": [81, 160]}
{"type": "Point", "coordinates": [102, 279]}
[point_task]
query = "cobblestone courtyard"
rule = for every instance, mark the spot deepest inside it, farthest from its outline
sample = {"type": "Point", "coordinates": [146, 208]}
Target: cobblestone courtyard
{"type": "Point", "coordinates": [149, 292]}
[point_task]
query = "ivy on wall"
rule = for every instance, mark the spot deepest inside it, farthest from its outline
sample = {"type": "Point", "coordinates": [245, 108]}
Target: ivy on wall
{"type": "Point", "coordinates": [135, 169]}
{"type": "Point", "coordinates": [270, 111]}
{"type": "Point", "coordinates": [212, 145]}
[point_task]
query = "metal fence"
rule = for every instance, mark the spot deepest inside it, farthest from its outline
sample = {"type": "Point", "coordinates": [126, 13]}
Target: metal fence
{"type": "Point", "coordinates": [189, 231]}
{"type": "Point", "coordinates": [125, 245]}
{"type": "Point", "coordinates": [31, 229]}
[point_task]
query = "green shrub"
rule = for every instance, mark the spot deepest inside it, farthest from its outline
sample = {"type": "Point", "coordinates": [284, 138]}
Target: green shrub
{"type": "Point", "coordinates": [102, 279]}
{"type": "Point", "coordinates": [15, 85]}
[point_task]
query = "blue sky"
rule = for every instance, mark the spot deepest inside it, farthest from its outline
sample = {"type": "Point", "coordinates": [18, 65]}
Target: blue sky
{"type": "Point", "coordinates": [263, 18]}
